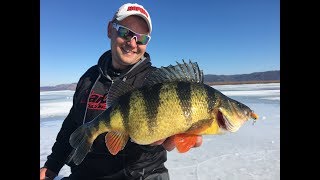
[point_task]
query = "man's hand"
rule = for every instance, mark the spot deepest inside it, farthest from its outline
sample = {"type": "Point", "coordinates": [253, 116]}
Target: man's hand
{"type": "Point", "coordinates": [47, 174]}
{"type": "Point", "coordinates": [169, 145]}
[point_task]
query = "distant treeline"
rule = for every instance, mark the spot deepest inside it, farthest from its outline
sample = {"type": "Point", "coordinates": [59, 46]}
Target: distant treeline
{"type": "Point", "coordinates": [59, 87]}
{"type": "Point", "coordinates": [253, 78]}
{"type": "Point", "coordinates": [242, 82]}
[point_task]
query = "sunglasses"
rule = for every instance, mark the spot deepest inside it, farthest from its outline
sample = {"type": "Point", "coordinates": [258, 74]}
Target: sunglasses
{"type": "Point", "coordinates": [128, 34]}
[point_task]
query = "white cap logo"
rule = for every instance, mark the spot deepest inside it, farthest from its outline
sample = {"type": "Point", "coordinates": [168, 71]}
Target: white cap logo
{"type": "Point", "coordinates": [130, 9]}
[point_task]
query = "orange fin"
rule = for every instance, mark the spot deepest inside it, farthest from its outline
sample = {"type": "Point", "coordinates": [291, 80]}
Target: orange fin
{"type": "Point", "coordinates": [115, 141]}
{"type": "Point", "coordinates": [184, 142]}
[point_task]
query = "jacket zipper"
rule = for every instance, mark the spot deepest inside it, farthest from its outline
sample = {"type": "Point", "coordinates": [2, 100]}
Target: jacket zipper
{"type": "Point", "coordinates": [85, 112]}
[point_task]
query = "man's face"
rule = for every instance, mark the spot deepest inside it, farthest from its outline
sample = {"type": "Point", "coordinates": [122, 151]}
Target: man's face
{"type": "Point", "coordinates": [127, 52]}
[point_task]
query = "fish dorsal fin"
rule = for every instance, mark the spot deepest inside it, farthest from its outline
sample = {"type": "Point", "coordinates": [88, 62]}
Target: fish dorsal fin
{"type": "Point", "coordinates": [117, 89]}
{"type": "Point", "coordinates": [189, 72]}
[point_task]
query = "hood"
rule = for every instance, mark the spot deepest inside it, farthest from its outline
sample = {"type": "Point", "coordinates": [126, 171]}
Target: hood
{"type": "Point", "coordinates": [105, 61]}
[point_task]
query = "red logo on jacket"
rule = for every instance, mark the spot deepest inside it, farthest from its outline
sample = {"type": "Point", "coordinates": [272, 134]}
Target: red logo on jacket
{"type": "Point", "coordinates": [96, 101]}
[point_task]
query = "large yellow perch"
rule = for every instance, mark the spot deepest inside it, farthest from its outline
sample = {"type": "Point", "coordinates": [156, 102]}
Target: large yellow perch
{"type": "Point", "coordinates": [174, 101]}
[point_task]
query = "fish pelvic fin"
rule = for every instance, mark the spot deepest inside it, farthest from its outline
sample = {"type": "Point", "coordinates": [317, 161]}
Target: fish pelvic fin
{"type": "Point", "coordinates": [184, 142]}
{"type": "Point", "coordinates": [81, 140]}
{"type": "Point", "coordinates": [116, 141]}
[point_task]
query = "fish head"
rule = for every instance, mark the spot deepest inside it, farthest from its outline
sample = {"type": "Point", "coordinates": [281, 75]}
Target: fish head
{"type": "Point", "coordinates": [231, 114]}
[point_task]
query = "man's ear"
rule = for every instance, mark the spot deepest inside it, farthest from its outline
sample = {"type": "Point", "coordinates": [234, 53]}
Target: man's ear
{"type": "Point", "coordinates": [109, 29]}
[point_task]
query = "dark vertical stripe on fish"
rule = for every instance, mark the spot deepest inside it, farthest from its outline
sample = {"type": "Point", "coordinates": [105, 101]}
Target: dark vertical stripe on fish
{"type": "Point", "coordinates": [184, 94]}
{"type": "Point", "coordinates": [125, 109]}
{"type": "Point", "coordinates": [211, 99]}
{"type": "Point", "coordinates": [151, 99]}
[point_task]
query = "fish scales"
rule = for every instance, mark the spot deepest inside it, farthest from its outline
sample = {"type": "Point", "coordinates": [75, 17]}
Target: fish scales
{"type": "Point", "coordinates": [184, 95]}
{"type": "Point", "coordinates": [201, 106]}
{"type": "Point", "coordinates": [151, 98]}
{"type": "Point", "coordinates": [150, 111]}
{"type": "Point", "coordinates": [176, 108]}
{"type": "Point", "coordinates": [170, 113]}
{"type": "Point", "coordinates": [153, 111]}
{"type": "Point", "coordinates": [115, 119]}
{"type": "Point", "coordinates": [137, 114]}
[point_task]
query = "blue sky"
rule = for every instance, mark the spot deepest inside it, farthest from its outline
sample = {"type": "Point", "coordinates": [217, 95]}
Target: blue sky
{"type": "Point", "coordinates": [224, 36]}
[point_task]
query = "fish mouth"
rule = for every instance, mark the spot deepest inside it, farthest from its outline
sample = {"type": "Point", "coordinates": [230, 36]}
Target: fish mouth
{"type": "Point", "coordinates": [254, 116]}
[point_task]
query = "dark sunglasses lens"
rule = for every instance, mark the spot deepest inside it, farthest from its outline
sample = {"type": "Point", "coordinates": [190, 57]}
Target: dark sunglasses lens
{"type": "Point", "coordinates": [124, 33]}
{"type": "Point", "coordinates": [143, 39]}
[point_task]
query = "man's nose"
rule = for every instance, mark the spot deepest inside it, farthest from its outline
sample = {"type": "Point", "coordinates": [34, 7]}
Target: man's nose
{"type": "Point", "coordinates": [133, 41]}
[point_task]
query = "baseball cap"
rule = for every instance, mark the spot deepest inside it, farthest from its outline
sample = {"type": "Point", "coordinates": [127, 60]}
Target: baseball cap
{"type": "Point", "coordinates": [130, 9]}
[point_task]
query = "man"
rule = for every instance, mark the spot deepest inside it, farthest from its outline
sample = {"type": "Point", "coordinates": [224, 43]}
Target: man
{"type": "Point", "coordinates": [129, 32]}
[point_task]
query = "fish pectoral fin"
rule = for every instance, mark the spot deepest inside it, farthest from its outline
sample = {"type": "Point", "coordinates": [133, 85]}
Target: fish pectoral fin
{"type": "Point", "coordinates": [116, 141]}
{"type": "Point", "coordinates": [184, 142]}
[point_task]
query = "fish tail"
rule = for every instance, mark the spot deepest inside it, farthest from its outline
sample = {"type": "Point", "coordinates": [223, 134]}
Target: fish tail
{"type": "Point", "coordinates": [81, 140]}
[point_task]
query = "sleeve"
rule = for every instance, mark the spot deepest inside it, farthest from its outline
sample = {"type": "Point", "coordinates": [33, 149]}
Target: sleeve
{"type": "Point", "coordinates": [61, 148]}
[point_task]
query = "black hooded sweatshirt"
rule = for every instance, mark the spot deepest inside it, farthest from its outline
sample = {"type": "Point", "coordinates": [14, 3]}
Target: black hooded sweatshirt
{"type": "Point", "coordinates": [89, 100]}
